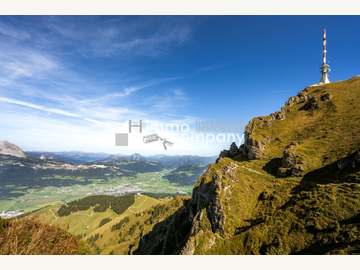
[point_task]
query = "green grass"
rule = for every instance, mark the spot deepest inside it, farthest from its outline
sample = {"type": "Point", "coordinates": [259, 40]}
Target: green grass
{"type": "Point", "coordinates": [30, 199]}
{"type": "Point", "coordinates": [109, 231]}
{"type": "Point", "coordinates": [336, 122]}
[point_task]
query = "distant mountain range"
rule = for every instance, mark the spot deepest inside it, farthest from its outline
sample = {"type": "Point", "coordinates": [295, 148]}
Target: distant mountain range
{"type": "Point", "coordinates": [72, 156]}
{"type": "Point", "coordinates": [86, 157]}
{"type": "Point", "coordinates": [61, 168]}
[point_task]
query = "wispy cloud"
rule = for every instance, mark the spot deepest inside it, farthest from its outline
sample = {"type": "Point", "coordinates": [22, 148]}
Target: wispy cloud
{"type": "Point", "coordinates": [116, 36]}
{"type": "Point", "coordinates": [129, 90]}
{"type": "Point", "coordinates": [9, 31]}
{"type": "Point", "coordinates": [17, 62]}
{"type": "Point", "coordinates": [52, 89]}
{"type": "Point", "coordinates": [39, 107]}
{"type": "Point", "coordinates": [168, 102]}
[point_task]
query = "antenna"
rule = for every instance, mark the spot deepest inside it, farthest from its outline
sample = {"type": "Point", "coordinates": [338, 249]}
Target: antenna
{"type": "Point", "coordinates": [325, 68]}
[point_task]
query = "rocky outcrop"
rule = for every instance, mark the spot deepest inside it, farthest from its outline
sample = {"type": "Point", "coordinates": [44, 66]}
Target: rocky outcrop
{"type": "Point", "coordinates": [10, 149]}
{"type": "Point", "coordinates": [178, 233]}
{"type": "Point", "coordinates": [207, 196]}
{"type": "Point", "coordinates": [311, 104]}
{"type": "Point", "coordinates": [299, 98]}
{"type": "Point", "coordinates": [292, 164]}
{"type": "Point", "coordinates": [253, 148]}
{"type": "Point", "coordinates": [231, 153]}
{"type": "Point", "coordinates": [278, 115]}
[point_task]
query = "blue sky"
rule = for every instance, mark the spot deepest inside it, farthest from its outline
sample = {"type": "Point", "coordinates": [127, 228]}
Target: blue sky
{"type": "Point", "coordinates": [71, 83]}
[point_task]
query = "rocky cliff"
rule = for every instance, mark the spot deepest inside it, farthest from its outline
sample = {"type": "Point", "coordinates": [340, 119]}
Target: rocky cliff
{"type": "Point", "coordinates": [293, 187]}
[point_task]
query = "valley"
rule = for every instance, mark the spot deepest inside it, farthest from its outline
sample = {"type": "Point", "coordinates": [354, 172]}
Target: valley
{"type": "Point", "coordinates": [27, 184]}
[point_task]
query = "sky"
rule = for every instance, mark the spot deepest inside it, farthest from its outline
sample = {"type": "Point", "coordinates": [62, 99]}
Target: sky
{"type": "Point", "coordinates": [70, 83]}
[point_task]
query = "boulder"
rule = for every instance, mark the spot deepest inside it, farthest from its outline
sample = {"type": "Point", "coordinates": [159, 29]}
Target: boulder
{"type": "Point", "coordinates": [292, 164]}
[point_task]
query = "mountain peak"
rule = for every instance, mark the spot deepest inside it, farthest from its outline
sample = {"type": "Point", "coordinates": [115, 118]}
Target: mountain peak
{"type": "Point", "coordinates": [293, 187]}
{"type": "Point", "coordinates": [10, 149]}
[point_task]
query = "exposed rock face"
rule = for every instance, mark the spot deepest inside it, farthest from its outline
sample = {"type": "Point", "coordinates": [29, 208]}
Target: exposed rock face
{"type": "Point", "coordinates": [10, 149]}
{"type": "Point", "coordinates": [300, 98]}
{"type": "Point", "coordinates": [278, 115]}
{"type": "Point", "coordinates": [179, 233]}
{"type": "Point", "coordinates": [231, 153]}
{"type": "Point", "coordinates": [207, 196]}
{"type": "Point", "coordinates": [292, 163]}
{"type": "Point", "coordinates": [311, 104]}
{"type": "Point", "coordinates": [234, 150]}
{"type": "Point", "coordinates": [253, 148]}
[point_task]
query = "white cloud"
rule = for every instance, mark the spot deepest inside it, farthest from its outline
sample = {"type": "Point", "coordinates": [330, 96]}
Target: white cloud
{"type": "Point", "coordinates": [17, 63]}
{"type": "Point", "coordinates": [46, 105]}
{"type": "Point", "coordinates": [38, 107]}
{"type": "Point", "coordinates": [149, 36]}
{"type": "Point", "coordinates": [43, 133]}
{"type": "Point", "coordinates": [12, 32]}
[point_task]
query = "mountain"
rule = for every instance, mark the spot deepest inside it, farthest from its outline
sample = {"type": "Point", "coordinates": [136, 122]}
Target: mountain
{"type": "Point", "coordinates": [71, 157]}
{"type": "Point", "coordinates": [40, 167]}
{"type": "Point", "coordinates": [9, 149]}
{"type": "Point", "coordinates": [169, 162]}
{"type": "Point", "coordinates": [109, 224]}
{"type": "Point", "coordinates": [293, 187]}
{"type": "Point", "coordinates": [34, 172]}
{"type": "Point", "coordinates": [42, 178]}
{"type": "Point", "coordinates": [183, 160]}
{"type": "Point", "coordinates": [186, 174]}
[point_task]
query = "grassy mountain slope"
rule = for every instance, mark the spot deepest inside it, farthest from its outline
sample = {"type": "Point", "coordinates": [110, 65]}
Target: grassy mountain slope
{"type": "Point", "coordinates": [109, 224]}
{"type": "Point", "coordinates": [30, 237]}
{"type": "Point", "coordinates": [323, 122]}
{"type": "Point", "coordinates": [293, 187]}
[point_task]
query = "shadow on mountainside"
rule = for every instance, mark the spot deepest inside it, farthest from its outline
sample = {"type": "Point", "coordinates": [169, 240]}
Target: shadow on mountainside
{"type": "Point", "coordinates": [345, 242]}
{"type": "Point", "coordinates": [272, 166]}
{"type": "Point", "coordinates": [344, 170]}
{"type": "Point", "coordinates": [171, 235]}
{"type": "Point", "coordinates": [167, 236]}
